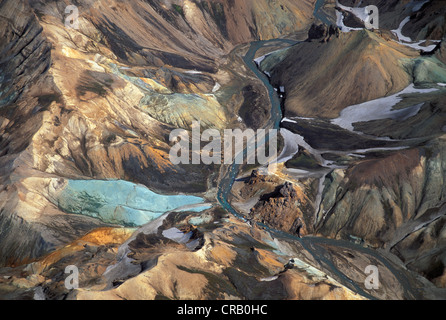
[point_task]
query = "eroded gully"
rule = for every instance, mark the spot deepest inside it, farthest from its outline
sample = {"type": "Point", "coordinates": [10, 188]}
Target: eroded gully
{"type": "Point", "coordinates": [318, 247]}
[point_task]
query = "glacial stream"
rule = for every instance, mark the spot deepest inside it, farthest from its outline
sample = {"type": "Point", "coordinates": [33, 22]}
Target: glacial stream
{"type": "Point", "coordinates": [318, 247]}
{"type": "Point", "coordinates": [227, 182]}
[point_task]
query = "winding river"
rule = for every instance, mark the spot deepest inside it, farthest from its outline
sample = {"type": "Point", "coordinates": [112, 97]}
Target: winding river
{"type": "Point", "coordinates": [318, 247]}
{"type": "Point", "coordinates": [228, 180]}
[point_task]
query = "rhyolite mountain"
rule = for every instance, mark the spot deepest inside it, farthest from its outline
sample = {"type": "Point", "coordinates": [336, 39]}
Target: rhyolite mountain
{"type": "Point", "coordinates": [101, 101]}
{"type": "Point", "coordinates": [86, 179]}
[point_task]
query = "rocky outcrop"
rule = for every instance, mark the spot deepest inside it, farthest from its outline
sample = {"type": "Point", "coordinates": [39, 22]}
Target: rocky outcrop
{"type": "Point", "coordinates": [252, 111]}
{"type": "Point", "coordinates": [322, 32]}
{"type": "Point", "coordinates": [395, 202]}
{"type": "Point", "coordinates": [234, 261]}
{"type": "Point", "coordinates": [283, 210]}
{"type": "Point", "coordinates": [389, 200]}
{"type": "Point", "coordinates": [99, 102]}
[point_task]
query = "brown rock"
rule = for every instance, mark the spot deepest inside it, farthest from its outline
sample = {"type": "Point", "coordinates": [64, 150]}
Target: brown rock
{"type": "Point", "coordinates": [321, 79]}
{"type": "Point", "coordinates": [282, 210]}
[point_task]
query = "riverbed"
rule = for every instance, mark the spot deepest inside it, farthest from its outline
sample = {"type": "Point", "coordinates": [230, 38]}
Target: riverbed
{"type": "Point", "coordinates": [315, 246]}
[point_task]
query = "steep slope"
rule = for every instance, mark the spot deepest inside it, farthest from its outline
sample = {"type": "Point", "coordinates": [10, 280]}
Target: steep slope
{"type": "Point", "coordinates": [99, 102]}
{"type": "Point", "coordinates": [426, 18]}
{"type": "Point", "coordinates": [380, 162]}
{"type": "Point", "coordinates": [186, 34]}
{"type": "Point", "coordinates": [321, 79]}
{"type": "Point", "coordinates": [207, 256]}
{"type": "Point", "coordinates": [394, 202]}
{"type": "Point", "coordinates": [87, 113]}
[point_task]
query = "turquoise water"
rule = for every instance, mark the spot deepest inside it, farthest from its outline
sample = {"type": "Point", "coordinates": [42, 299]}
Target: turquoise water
{"type": "Point", "coordinates": [227, 182]}
{"type": "Point", "coordinates": [319, 14]}
{"type": "Point", "coordinates": [121, 202]}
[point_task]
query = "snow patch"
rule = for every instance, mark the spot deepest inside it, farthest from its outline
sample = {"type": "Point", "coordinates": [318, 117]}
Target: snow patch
{"type": "Point", "coordinates": [217, 87]}
{"type": "Point", "coordinates": [378, 109]}
{"type": "Point", "coordinates": [193, 72]}
{"type": "Point", "coordinates": [269, 279]}
{"type": "Point", "coordinates": [407, 41]}
{"type": "Point", "coordinates": [341, 25]}
{"type": "Point", "coordinates": [259, 60]}
{"type": "Point", "coordinates": [360, 13]}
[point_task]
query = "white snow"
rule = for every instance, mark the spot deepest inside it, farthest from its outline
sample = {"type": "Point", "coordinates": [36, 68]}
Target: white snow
{"type": "Point", "coordinates": [358, 152]}
{"type": "Point", "coordinates": [377, 109]}
{"type": "Point", "coordinates": [177, 235]}
{"type": "Point", "coordinates": [360, 13]}
{"type": "Point", "coordinates": [398, 32]}
{"type": "Point", "coordinates": [294, 121]}
{"type": "Point", "coordinates": [217, 87]}
{"type": "Point", "coordinates": [417, 46]}
{"type": "Point", "coordinates": [288, 120]}
{"type": "Point", "coordinates": [193, 72]}
{"type": "Point", "coordinates": [341, 25]}
{"type": "Point", "coordinates": [292, 142]}
{"type": "Point", "coordinates": [407, 41]}
{"type": "Point", "coordinates": [270, 278]}
{"type": "Point", "coordinates": [259, 60]}
{"type": "Point", "coordinates": [291, 145]}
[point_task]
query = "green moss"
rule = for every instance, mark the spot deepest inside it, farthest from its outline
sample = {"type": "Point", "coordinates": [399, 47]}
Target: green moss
{"type": "Point", "coordinates": [178, 9]}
